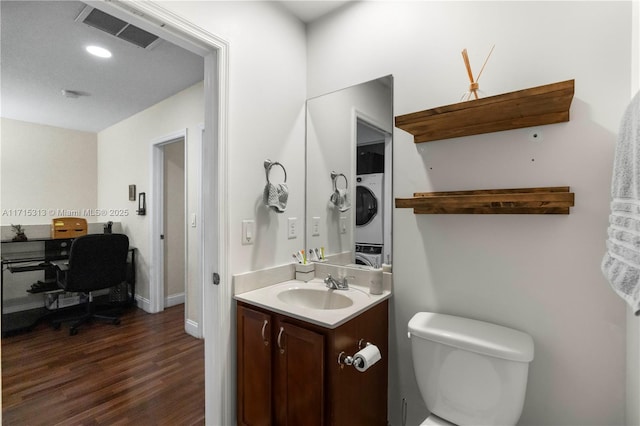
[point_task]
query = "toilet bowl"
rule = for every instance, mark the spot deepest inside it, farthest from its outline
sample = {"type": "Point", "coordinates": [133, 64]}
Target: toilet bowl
{"type": "Point", "coordinates": [469, 372]}
{"type": "Point", "coordinates": [434, 420]}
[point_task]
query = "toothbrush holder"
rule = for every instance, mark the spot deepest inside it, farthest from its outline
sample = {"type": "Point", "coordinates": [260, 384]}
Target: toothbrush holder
{"type": "Point", "coordinates": [305, 272]}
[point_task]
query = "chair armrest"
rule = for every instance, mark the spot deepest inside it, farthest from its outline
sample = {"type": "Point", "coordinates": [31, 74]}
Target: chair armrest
{"type": "Point", "coordinates": [61, 265]}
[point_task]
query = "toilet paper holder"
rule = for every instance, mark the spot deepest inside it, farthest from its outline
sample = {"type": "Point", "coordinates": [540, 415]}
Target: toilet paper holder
{"type": "Point", "coordinates": [344, 359]}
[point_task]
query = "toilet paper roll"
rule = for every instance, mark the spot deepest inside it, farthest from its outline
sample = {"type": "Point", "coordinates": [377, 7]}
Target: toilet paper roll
{"type": "Point", "coordinates": [366, 357]}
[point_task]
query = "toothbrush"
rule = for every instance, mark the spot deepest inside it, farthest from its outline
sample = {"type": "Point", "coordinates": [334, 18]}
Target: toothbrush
{"type": "Point", "coordinates": [304, 259]}
{"type": "Point", "coordinates": [322, 252]}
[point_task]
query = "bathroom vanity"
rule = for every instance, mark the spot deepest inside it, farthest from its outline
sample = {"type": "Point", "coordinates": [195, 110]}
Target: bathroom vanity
{"type": "Point", "coordinates": [288, 369]}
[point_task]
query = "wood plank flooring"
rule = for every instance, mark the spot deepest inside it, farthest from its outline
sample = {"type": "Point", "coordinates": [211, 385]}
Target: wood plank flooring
{"type": "Point", "coordinates": [146, 371]}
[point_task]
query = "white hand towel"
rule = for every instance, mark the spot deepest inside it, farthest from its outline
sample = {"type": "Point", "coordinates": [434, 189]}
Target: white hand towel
{"type": "Point", "coordinates": [340, 197]}
{"type": "Point", "coordinates": [621, 263]}
{"type": "Point", "coordinates": [275, 196]}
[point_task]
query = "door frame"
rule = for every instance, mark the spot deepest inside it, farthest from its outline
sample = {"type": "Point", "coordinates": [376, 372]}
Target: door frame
{"type": "Point", "coordinates": [151, 16]}
{"type": "Point", "coordinates": [156, 216]}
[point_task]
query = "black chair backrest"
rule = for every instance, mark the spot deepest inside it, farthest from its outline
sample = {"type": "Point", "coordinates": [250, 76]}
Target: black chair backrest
{"type": "Point", "coordinates": [97, 261]}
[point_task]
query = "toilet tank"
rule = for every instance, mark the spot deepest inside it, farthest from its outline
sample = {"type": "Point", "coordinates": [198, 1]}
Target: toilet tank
{"type": "Point", "coordinates": [470, 372]}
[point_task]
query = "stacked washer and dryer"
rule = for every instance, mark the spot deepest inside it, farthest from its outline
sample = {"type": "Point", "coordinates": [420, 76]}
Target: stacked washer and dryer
{"type": "Point", "coordinates": [369, 219]}
{"type": "Point", "coordinates": [369, 201]}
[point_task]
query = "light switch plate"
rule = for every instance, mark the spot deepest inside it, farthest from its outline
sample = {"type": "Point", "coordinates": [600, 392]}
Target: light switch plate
{"type": "Point", "coordinates": [292, 228]}
{"type": "Point", "coordinates": [315, 227]}
{"type": "Point", "coordinates": [248, 229]}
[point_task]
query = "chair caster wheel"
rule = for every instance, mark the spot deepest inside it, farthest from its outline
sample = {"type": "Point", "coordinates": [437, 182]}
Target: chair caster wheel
{"type": "Point", "coordinates": [73, 332]}
{"type": "Point", "coordinates": [56, 326]}
{"type": "Point", "coordinates": [116, 321]}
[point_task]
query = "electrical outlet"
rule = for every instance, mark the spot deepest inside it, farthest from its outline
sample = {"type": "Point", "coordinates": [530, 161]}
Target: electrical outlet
{"type": "Point", "coordinates": [315, 226]}
{"type": "Point", "coordinates": [292, 228]}
{"type": "Point", "coordinates": [248, 232]}
{"type": "Point", "coordinates": [343, 224]}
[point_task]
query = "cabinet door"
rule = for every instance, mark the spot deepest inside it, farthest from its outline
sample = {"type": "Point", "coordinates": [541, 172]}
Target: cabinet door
{"type": "Point", "coordinates": [254, 367]}
{"type": "Point", "coordinates": [299, 376]}
{"type": "Point", "coordinates": [358, 398]}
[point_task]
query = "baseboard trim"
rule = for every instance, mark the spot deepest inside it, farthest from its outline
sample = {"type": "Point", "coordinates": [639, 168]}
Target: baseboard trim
{"type": "Point", "coordinates": [192, 329]}
{"type": "Point", "coordinates": [23, 306]}
{"type": "Point", "coordinates": [143, 303]}
{"type": "Point", "coordinates": [173, 300]}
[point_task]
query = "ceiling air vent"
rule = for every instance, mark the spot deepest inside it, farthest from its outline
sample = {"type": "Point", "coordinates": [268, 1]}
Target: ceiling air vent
{"type": "Point", "coordinates": [117, 27]}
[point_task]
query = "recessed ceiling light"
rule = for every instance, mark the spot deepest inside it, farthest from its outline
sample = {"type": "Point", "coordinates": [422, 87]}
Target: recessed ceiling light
{"type": "Point", "coordinates": [101, 52]}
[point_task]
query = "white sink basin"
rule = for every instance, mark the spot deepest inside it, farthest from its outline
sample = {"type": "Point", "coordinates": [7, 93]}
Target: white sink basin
{"type": "Point", "coordinates": [313, 298]}
{"type": "Point", "coordinates": [313, 301]}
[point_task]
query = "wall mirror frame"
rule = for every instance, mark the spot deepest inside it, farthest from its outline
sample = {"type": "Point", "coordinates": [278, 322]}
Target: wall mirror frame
{"type": "Point", "coordinates": [349, 173]}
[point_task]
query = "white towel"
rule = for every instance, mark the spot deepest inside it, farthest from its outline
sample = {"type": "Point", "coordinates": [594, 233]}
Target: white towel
{"type": "Point", "coordinates": [621, 263]}
{"type": "Point", "coordinates": [340, 199]}
{"type": "Point", "coordinates": [275, 196]}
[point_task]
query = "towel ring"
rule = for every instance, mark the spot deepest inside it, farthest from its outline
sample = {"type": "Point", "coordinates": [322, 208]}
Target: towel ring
{"type": "Point", "coordinates": [268, 164]}
{"type": "Point", "coordinates": [334, 178]}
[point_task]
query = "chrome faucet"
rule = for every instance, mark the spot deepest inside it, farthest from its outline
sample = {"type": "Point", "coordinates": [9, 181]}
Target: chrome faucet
{"type": "Point", "coordinates": [338, 284]}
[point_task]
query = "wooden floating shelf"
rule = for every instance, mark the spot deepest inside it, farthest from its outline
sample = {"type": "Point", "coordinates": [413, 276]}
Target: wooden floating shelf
{"type": "Point", "coordinates": [514, 110]}
{"type": "Point", "coordinates": [551, 200]}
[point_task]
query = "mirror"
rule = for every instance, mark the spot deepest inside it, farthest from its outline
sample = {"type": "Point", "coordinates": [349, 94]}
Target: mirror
{"type": "Point", "coordinates": [349, 173]}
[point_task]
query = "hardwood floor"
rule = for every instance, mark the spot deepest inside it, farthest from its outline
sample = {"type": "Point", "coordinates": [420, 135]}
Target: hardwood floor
{"type": "Point", "coordinates": [146, 371]}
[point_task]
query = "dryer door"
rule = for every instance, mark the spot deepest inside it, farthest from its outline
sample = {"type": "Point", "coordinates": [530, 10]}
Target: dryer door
{"type": "Point", "coordinates": [366, 205]}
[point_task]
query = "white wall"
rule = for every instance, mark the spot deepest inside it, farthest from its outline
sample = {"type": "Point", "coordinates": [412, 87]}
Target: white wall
{"type": "Point", "coordinates": [46, 172]}
{"type": "Point", "coordinates": [124, 158]}
{"type": "Point", "coordinates": [540, 274]}
{"type": "Point", "coordinates": [266, 119]}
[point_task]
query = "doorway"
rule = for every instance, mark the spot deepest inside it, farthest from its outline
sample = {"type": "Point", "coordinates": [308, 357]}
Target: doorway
{"type": "Point", "coordinates": [174, 229]}
{"type": "Point", "coordinates": [373, 192]}
{"type": "Point", "coordinates": [176, 235]}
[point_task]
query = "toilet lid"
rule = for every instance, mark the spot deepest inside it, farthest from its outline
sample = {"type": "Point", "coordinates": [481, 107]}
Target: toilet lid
{"type": "Point", "coordinates": [434, 420]}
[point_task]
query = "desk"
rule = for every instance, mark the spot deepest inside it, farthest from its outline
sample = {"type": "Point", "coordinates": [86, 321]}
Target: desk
{"type": "Point", "coordinates": [37, 255]}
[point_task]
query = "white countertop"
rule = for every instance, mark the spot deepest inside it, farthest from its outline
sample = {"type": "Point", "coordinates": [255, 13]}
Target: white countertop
{"type": "Point", "coordinates": [267, 297]}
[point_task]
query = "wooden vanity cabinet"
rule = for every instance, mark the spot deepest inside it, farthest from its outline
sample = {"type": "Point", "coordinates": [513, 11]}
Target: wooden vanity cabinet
{"type": "Point", "coordinates": [254, 367]}
{"type": "Point", "coordinates": [288, 371]}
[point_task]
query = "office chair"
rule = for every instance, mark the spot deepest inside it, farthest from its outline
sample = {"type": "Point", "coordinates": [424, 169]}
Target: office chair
{"type": "Point", "coordinates": [96, 261]}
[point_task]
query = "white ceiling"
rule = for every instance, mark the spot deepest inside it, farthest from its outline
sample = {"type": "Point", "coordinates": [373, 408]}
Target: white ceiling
{"type": "Point", "coordinates": [308, 11]}
{"type": "Point", "coordinates": [42, 53]}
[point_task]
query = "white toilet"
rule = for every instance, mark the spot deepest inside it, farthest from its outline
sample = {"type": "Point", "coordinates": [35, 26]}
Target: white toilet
{"type": "Point", "coordinates": [469, 372]}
